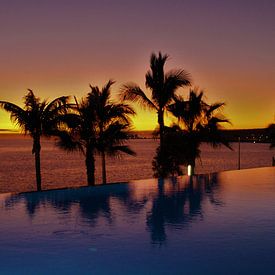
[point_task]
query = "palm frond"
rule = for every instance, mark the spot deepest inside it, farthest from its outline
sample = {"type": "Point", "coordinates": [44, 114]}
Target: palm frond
{"type": "Point", "coordinates": [157, 61]}
{"type": "Point", "coordinates": [105, 91]}
{"type": "Point", "coordinates": [116, 150]}
{"type": "Point", "coordinates": [178, 108]}
{"type": "Point", "coordinates": [113, 137]}
{"type": "Point", "coordinates": [166, 92]}
{"type": "Point", "coordinates": [57, 105]}
{"type": "Point", "coordinates": [155, 77]}
{"type": "Point", "coordinates": [120, 112]}
{"type": "Point", "coordinates": [214, 107]}
{"type": "Point", "coordinates": [133, 93]}
{"type": "Point", "coordinates": [17, 115]}
{"type": "Point", "coordinates": [68, 142]}
{"type": "Point", "coordinates": [211, 132]}
{"type": "Point", "coordinates": [31, 101]}
{"type": "Point", "coordinates": [51, 114]}
{"type": "Point", "coordinates": [177, 78]}
{"type": "Point", "coordinates": [71, 120]}
{"type": "Point", "coordinates": [115, 133]}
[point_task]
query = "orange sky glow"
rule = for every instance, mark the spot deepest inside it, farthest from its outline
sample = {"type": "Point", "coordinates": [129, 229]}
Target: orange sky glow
{"type": "Point", "coordinates": [60, 48]}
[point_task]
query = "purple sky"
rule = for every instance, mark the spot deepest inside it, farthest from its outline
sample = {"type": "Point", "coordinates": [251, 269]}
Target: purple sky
{"type": "Point", "coordinates": [59, 47]}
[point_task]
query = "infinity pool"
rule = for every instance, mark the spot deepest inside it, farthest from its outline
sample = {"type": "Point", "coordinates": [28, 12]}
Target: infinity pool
{"type": "Point", "coordinates": [213, 224]}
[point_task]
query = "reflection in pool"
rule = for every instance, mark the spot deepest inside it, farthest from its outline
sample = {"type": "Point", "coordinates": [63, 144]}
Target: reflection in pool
{"type": "Point", "coordinates": [218, 223]}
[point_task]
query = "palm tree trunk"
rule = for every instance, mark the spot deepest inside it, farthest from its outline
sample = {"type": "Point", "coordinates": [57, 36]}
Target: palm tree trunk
{"type": "Point", "coordinates": [36, 151]}
{"type": "Point", "coordinates": [104, 176]}
{"type": "Point", "coordinates": [161, 128]}
{"type": "Point", "coordinates": [90, 167]}
{"type": "Point", "coordinates": [193, 163]}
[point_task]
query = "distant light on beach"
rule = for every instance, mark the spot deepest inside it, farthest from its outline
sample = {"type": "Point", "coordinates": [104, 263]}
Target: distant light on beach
{"type": "Point", "coordinates": [189, 170]}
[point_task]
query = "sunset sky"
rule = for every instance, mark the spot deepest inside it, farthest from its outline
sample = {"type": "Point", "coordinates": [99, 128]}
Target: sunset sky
{"type": "Point", "coordinates": [59, 47]}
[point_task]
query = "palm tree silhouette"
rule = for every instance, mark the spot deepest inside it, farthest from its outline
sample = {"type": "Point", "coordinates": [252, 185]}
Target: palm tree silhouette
{"type": "Point", "coordinates": [96, 125]}
{"type": "Point", "coordinates": [163, 87]}
{"type": "Point", "coordinates": [112, 124]}
{"type": "Point", "coordinates": [78, 134]}
{"type": "Point", "coordinates": [37, 119]}
{"type": "Point", "coordinates": [197, 122]}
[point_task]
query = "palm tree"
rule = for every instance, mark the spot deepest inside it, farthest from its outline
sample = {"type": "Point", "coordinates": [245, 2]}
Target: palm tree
{"type": "Point", "coordinates": [78, 134]}
{"type": "Point", "coordinates": [37, 119]}
{"type": "Point", "coordinates": [163, 87]}
{"type": "Point", "coordinates": [96, 125]}
{"type": "Point", "coordinates": [197, 122]}
{"type": "Point", "coordinates": [112, 124]}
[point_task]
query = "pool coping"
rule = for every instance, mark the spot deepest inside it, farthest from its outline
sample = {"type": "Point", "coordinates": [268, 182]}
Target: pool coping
{"type": "Point", "coordinates": [124, 182]}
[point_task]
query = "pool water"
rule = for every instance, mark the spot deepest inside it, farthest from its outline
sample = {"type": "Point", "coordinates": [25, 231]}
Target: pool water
{"type": "Point", "coordinates": [220, 223]}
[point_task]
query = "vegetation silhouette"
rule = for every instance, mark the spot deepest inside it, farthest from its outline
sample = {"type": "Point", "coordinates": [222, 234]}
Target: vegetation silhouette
{"type": "Point", "coordinates": [78, 134]}
{"type": "Point", "coordinates": [97, 125]}
{"type": "Point", "coordinates": [163, 87]}
{"type": "Point", "coordinates": [37, 118]}
{"type": "Point", "coordinates": [197, 122]}
{"type": "Point", "coordinates": [113, 124]}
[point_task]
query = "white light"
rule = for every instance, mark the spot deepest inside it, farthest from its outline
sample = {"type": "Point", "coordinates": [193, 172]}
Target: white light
{"type": "Point", "coordinates": [189, 168]}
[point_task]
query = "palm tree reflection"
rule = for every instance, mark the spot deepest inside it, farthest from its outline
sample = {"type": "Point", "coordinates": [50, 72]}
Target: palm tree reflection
{"type": "Point", "coordinates": [171, 203]}
{"type": "Point", "coordinates": [179, 203]}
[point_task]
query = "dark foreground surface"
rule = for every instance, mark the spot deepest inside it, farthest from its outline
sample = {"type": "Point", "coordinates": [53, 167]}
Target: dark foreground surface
{"type": "Point", "coordinates": [216, 224]}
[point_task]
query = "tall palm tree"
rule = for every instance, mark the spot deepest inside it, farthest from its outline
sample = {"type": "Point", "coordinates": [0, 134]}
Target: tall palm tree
{"type": "Point", "coordinates": [96, 125]}
{"type": "Point", "coordinates": [112, 124]}
{"type": "Point", "coordinates": [37, 118]}
{"type": "Point", "coordinates": [163, 87]}
{"type": "Point", "coordinates": [197, 122]}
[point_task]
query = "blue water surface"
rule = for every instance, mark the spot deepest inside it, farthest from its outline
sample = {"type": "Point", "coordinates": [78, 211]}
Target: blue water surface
{"type": "Point", "coordinates": [220, 223]}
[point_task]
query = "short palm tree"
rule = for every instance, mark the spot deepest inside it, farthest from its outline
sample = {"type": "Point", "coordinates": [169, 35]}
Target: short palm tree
{"type": "Point", "coordinates": [96, 125]}
{"type": "Point", "coordinates": [163, 87]}
{"type": "Point", "coordinates": [197, 122]}
{"type": "Point", "coordinates": [37, 119]}
{"type": "Point", "coordinates": [112, 124]}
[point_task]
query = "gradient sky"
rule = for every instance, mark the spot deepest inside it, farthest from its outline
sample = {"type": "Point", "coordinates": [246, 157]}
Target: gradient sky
{"type": "Point", "coordinates": [59, 47]}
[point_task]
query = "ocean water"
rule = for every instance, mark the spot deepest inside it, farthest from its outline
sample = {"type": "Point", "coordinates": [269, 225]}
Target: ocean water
{"type": "Point", "coordinates": [62, 169]}
{"type": "Point", "coordinates": [213, 224]}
